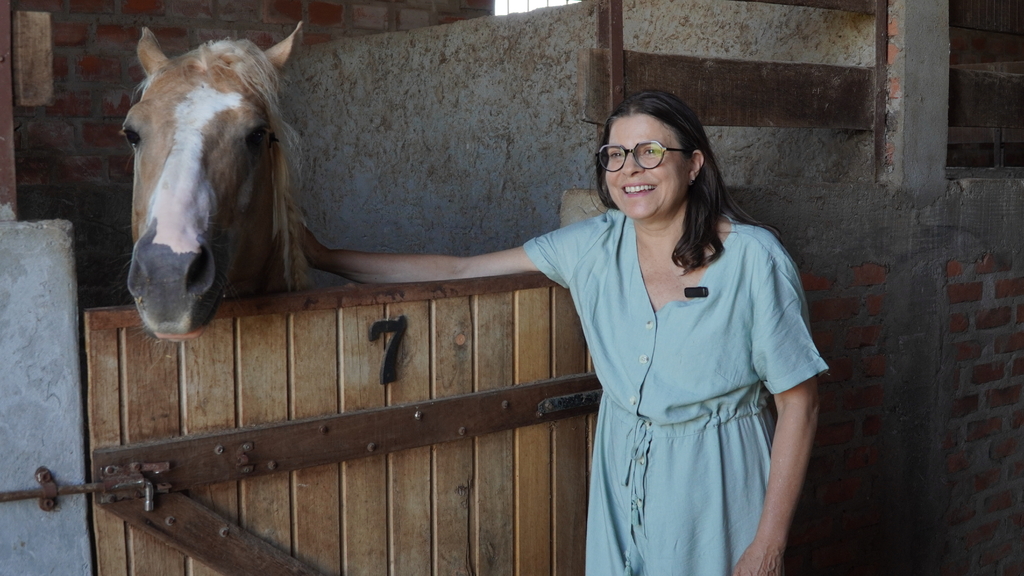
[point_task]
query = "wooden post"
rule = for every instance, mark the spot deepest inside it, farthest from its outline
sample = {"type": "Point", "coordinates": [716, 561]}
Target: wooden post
{"type": "Point", "coordinates": [8, 183]}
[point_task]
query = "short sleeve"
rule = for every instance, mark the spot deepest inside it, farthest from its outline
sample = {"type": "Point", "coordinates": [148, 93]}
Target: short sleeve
{"type": "Point", "coordinates": [784, 354]}
{"type": "Point", "coordinates": [558, 253]}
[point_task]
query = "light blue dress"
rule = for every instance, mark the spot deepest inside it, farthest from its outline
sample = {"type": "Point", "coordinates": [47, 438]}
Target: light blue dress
{"type": "Point", "coordinates": [681, 453]}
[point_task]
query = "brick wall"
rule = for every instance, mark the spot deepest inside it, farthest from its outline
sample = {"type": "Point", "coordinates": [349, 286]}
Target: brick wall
{"type": "Point", "coordinates": [984, 445]}
{"type": "Point", "coordinates": [837, 525]}
{"type": "Point", "coordinates": [71, 160]}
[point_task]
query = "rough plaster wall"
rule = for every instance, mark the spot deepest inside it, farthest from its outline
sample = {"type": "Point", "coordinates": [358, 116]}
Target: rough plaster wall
{"type": "Point", "coordinates": [456, 139]}
{"type": "Point", "coordinates": [41, 403]}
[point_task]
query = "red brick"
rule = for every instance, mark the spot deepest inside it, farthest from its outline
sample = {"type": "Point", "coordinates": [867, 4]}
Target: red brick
{"type": "Point", "coordinates": [1020, 313]}
{"type": "Point", "coordinates": [861, 336]}
{"type": "Point", "coordinates": [955, 568]}
{"type": "Point", "coordinates": [154, 7]}
{"type": "Point", "coordinates": [449, 18]}
{"type": "Point", "coordinates": [192, 8]}
{"type": "Point", "coordinates": [70, 33]}
{"type": "Point", "coordinates": [827, 402]}
{"type": "Point", "coordinates": [481, 4]}
{"type": "Point", "coordinates": [1018, 367]}
{"type": "Point", "coordinates": [173, 39]}
{"type": "Point", "coordinates": [960, 515]}
{"type": "Point", "coordinates": [873, 302]}
{"type": "Point", "coordinates": [410, 19]}
{"type": "Point", "coordinates": [66, 104]}
{"type": "Point", "coordinates": [969, 350]}
{"type": "Point", "coordinates": [97, 135]}
{"type": "Point", "coordinates": [311, 39]}
{"type": "Point", "coordinates": [820, 466]}
{"type": "Point", "coordinates": [49, 134]}
{"type": "Point", "coordinates": [814, 283]}
{"type": "Point", "coordinates": [964, 406]}
{"type": "Point", "coordinates": [954, 268]}
{"type": "Point", "coordinates": [861, 519]}
{"type": "Point", "coordinates": [992, 263]}
{"type": "Point", "coordinates": [842, 552]}
{"type": "Point", "coordinates": [823, 340]}
{"type": "Point", "coordinates": [32, 170]}
{"type": "Point", "coordinates": [982, 428]}
{"type": "Point", "coordinates": [995, 554]}
{"type": "Point", "coordinates": [990, 372]}
{"type": "Point", "coordinates": [325, 14]}
{"type": "Point", "coordinates": [834, 309]}
{"type": "Point", "coordinates": [1002, 448]}
{"type": "Point", "coordinates": [41, 5]}
{"type": "Point", "coordinates": [282, 11]}
{"type": "Point", "coordinates": [986, 479]}
{"type": "Point", "coordinates": [992, 318]}
{"type": "Point", "coordinates": [950, 441]}
{"type": "Point", "coordinates": [1003, 396]}
{"type": "Point", "coordinates": [861, 457]}
{"type": "Point", "coordinates": [957, 462]}
{"type": "Point", "coordinates": [970, 292]}
{"type": "Point", "coordinates": [72, 169]}
{"type": "Point", "coordinates": [958, 322]}
{"type": "Point", "coordinates": [1013, 569]}
{"type": "Point", "coordinates": [868, 274]}
{"type": "Point", "coordinates": [1000, 501]}
{"type": "Point", "coordinates": [110, 37]}
{"type": "Point", "coordinates": [1009, 342]}
{"type": "Point", "coordinates": [839, 370]}
{"type": "Point", "coordinates": [91, 6]}
{"type": "Point", "coordinates": [116, 103]}
{"type": "Point", "coordinates": [98, 69]}
{"type": "Point", "coordinates": [1010, 287]}
{"type": "Point", "coordinates": [262, 38]}
{"type": "Point", "coordinates": [863, 397]}
{"type": "Point", "coordinates": [60, 68]}
{"type": "Point", "coordinates": [871, 426]}
{"type": "Point", "coordinates": [810, 531]}
{"type": "Point", "coordinates": [121, 168]}
{"type": "Point", "coordinates": [873, 366]}
{"type": "Point", "coordinates": [370, 17]}
{"type": "Point", "coordinates": [240, 11]}
{"type": "Point", "coordinates": [981, 534]}
{"type": "Point", "coordinates": [833, 434]}
{"type": "Point", "coordinates": [1018, 419]}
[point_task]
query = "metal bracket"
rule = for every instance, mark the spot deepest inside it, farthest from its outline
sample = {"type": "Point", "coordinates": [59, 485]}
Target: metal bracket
{"type": "Point", "coordinates": [389, 370]}
{"type": "Point", "coordinates": [48, 500]}
{"type": "Point", "coordinates": [126, 482]}
{"type": "Point", "coordinates": [569, 401]}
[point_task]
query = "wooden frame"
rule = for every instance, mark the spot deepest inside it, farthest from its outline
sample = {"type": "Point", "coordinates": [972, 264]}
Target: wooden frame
{"type": "Point", "coordinates": [8, 181]}
{"type": "Point", "coordinates": [982, 98]}
{"type": "Point", "coordinates": [1005, 16]}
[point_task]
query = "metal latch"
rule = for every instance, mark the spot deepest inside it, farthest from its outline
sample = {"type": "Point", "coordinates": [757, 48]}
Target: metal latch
{"type": "Point", "coordinates": [119, 483]}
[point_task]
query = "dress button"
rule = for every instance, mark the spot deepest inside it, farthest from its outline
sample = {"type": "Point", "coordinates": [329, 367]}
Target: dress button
{"type": "Point", "coordinates": [644, 358]}
{"type": "Point", "coordinates": [650, 325]}
{"type": "Point", "coordinates": [648, 423]}
{"type": "Point", "coordinates": [639, 502]}
{"type": "Point", "coordinates": [643, 460]}
{"type": "Point", "coordinates": [632, 400]}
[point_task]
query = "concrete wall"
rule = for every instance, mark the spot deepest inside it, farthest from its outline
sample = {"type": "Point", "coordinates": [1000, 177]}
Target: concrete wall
{"type": "Point", "coordinates": [41, 417]}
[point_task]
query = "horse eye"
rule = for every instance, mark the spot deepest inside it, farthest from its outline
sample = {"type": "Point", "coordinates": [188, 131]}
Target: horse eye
{"type": "Point", "coordinates": [255, 138]}
{"type": "Point", "coordinates": [132, 137]}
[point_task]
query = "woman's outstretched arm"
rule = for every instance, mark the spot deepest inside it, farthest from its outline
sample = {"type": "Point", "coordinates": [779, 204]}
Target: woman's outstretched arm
{"type": "Point", "coordinates": [368, 267]}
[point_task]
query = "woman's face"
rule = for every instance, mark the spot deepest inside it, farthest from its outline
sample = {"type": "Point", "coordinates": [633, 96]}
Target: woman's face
{"type": "Point", "coordinates": [651, 195]}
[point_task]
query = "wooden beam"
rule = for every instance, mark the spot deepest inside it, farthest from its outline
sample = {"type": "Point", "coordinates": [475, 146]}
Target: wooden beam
{"type": "Point", "coordinates": [982, 98]}
{"type": "Point", "coordinates": [236, 454]}
{"type": "Point", "coordinates": [8, 182]}
{"type": "Point", "coordinates": [745, 93]}
{"type": "Point", "coordinates": [33, 59]}
{"type": "Point", "coordinates": [1006, 16]}
{"type": "Point", "coordinates": [861, 6]}
{"type": "Point", "coordinates": [196, 531]}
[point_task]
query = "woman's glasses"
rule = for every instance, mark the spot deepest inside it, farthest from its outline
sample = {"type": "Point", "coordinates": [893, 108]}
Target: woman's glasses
{"type": "Point", "coordinates": [647, 155]}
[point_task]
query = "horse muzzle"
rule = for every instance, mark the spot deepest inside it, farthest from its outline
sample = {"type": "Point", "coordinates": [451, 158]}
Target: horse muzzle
{"type": "Point", "coordinates": [176, 294]}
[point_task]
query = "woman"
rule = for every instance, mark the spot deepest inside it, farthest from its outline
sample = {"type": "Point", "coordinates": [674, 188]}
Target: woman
{"type": "Point", "coordinates": [690, 310]}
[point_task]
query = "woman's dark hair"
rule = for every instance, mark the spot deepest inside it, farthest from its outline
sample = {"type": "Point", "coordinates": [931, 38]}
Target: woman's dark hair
{"type": "Point", "coordinates": [708, 199]}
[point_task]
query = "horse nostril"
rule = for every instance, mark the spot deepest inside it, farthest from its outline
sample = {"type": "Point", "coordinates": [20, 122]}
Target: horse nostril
{"type": "Point", "coordinates": [201, 272]}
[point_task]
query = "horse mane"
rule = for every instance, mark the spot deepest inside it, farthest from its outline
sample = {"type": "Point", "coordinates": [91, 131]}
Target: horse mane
{"type": "Point", "coordinates": [245, 62]}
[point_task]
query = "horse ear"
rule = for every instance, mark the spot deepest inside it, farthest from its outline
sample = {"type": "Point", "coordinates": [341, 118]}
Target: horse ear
{"type": "Point", "coordinates": [150, 54]}
{"type": "Point", "coordinates": [279, 53]}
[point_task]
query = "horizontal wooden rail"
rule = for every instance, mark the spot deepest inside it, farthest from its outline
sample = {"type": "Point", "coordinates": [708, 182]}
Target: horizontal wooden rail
{"type": "Point", "coordinates": [1006, 16]}
{"type": "Point", "coordinates": [981, 98]}
{"type": "Point", "coordinates": [861, 6]}
{"type": "Point", "coordinates": [235, 454]}
{"type": "Point", "coordinates": [332, 298]}
{"type": "Point", "coordinates": [739, 92]}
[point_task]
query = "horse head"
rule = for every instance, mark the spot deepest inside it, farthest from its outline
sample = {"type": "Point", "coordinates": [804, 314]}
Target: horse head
{"type": "Point", "coordinates": [212, 205]}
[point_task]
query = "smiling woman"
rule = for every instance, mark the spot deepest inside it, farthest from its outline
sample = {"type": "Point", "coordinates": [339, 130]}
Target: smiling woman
{"type": "Point", "coordinates": [212, 207]}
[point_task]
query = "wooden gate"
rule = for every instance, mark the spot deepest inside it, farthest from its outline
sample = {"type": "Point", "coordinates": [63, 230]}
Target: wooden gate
{"type": "Point", "coordinates": [270, 446]}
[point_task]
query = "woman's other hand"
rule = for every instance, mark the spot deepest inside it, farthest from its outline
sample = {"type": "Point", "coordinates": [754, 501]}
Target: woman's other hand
{"type": "Point", "coordinates": [759, 560]}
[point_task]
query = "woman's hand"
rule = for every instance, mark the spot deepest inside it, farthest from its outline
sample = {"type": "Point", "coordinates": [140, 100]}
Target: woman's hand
{"type": "Point", "coordinates": [758, 560]}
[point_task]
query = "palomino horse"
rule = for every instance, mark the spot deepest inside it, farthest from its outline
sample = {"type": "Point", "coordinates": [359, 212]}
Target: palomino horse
{"type": "Point", "coordinates": [212, 206]}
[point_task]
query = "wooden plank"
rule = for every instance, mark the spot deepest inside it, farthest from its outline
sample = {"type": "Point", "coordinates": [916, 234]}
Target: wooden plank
{"type": "Point", "coordinates": [32, 68]}
{"type": "Point", "coordinates": [105, 430]}
{"type": "Point", "coordinates": [8, 181]}
{"type": "Point", "coordinates": [316, 492]}
{"type": "Point", "coordinates": [263, 397]}
{"type": "Point", "coordinates": [208, 391]}
{"type": "Point", "coordinates": [494, 536]}
{"type": "Point", "coordinates": [860, 6]}
{"type": "Point", "coordinates": [409, 473]}
{"type": "Point", "coordinates": [569, 439]}
{"type": "Point", "coordinates": [1006, 16]}
{"type": "Point", "coordinates": [151, 411]}
{"type": "Point", "coordinates": [881, 87]}
{"type": "Point", "coordinates": [347, 296]}
{"type": "Point", "coordinates": [194, 529]}
{"type": "Point", "coordinates": [453, 462]}
{"type": "Point", "coordinates": [744, 93]}
{"type": "Point", "coordinates": [533, 443]}
{"type": "Point", "coordinates": [364, 506]}
{"type": "Point", "coordinates": [982, 98]}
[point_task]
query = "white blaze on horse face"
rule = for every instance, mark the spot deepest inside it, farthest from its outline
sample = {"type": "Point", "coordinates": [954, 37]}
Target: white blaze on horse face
{"type": "Point", "coordinates": [183, 199]}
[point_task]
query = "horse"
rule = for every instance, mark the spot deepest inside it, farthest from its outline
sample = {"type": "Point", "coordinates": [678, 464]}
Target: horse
{"type": "Point", "coordinates": [213, 207]}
